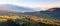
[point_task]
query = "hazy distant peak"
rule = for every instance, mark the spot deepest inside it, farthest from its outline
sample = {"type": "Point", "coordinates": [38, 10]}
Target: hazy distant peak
{"type": "Point", "coordinates": [15, 8]}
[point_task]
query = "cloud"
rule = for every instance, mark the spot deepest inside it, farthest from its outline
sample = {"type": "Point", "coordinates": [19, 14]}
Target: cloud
{"type": "Point", "coordinates": [36, 6]}
{"type": "Point", "coordinates": [42, 5]}
{"type": "Point", "coordinates": [39, 6]}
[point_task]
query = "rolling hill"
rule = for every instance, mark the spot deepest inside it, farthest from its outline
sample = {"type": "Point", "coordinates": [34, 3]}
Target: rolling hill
{"type": "Point", "coordinates": [7, 9]}
{"type": "Point", "coordinates": [50, 13]}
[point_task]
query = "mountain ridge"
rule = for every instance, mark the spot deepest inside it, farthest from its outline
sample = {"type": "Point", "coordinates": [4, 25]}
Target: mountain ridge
{"type": "Point", "coordinates": [50, 13]}
{"type": "Point", "coordinates": [10, 7]}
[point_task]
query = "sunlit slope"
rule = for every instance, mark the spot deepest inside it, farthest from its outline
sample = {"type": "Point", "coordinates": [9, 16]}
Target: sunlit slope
{"type": "Point", "coordinates": [32, 19]}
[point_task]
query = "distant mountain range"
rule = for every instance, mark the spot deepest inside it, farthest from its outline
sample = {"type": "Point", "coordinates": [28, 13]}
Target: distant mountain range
{"type": "Point", "coordinates": [50, 13]}
{"type": "Point", "coordinates": [7, 9]}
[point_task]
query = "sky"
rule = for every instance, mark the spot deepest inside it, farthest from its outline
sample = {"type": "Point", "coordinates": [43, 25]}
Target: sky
{"type": "Point", "coordinates": [34, 4]}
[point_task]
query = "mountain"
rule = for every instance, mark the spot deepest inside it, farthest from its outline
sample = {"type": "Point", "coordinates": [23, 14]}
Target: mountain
{"type": "Point", "coordinates": [15, 8]}
{"type": "Point", "coordinates": [50, 13]}
{"type": "Point", "coordinates": [7, 9]}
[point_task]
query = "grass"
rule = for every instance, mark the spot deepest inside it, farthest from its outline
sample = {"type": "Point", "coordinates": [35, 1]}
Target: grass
{"type": "Point", "coordinates": [29, 20]}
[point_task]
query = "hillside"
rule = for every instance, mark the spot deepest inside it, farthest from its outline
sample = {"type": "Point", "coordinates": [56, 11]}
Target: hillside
{"type": "Point", "coordinates": [27, 21]}
{"type": "Point", "coordinates": [10, 13]}
{"type": "Point", "coordinates": [24, 16]}
{"type": "Point", "coordinates": [50, 13]}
